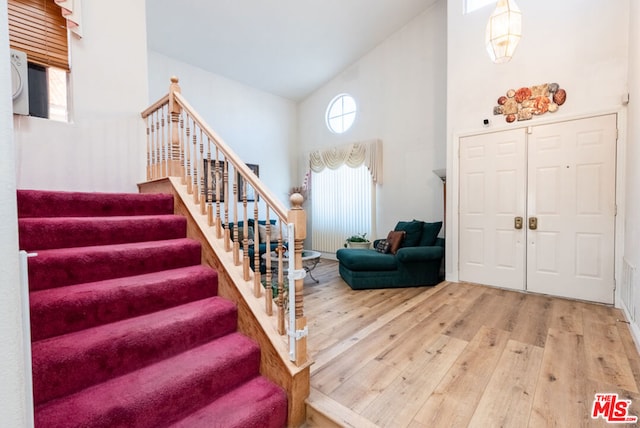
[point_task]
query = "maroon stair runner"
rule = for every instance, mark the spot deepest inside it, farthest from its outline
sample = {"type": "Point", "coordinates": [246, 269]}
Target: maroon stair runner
{"type": "Point", "coordinates": [127, 328]}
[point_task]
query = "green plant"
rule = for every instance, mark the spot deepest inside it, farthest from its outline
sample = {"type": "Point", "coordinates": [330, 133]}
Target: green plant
{"type": "Point", "coordinates": [274, 287]}
{"type": "Point", "coordinates": [357, 238]}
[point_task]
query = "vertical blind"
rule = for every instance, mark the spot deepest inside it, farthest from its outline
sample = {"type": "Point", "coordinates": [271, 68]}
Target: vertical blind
{"type": "Point", "coordinates": [343, 205]}
{"type": "Point", "coordinates": [38, 28]}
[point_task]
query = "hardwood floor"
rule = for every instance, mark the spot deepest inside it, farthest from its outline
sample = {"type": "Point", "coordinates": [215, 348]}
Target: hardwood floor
{"type": "Point", "coordinates": [460, 354]}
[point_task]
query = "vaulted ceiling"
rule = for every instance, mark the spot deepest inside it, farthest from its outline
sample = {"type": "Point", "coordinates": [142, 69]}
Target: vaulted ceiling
{"type": "Point", "coordinates": [285, 47]}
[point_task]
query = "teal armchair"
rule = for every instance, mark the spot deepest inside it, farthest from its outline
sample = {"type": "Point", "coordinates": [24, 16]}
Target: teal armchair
{"type": "Point", "coordinates": [416, 263]}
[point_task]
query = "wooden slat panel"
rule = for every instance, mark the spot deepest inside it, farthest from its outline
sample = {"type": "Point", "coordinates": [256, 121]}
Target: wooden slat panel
{"type": "Point", "coordinates": [566, 315]}
{"type": "Point", "coordinates": [456, 397]}
{"type": "Point", "coordinates": [607, 361]}
{"type": "Point", "coordinates": [533, 320]}
{"type": "Point", "coordinates": [560, 394]}
{"type": "Point", "coordinates": [385, 316]}
{"type": "Point", "coordinates": [500, 311]}
{"type": "Point", "coordinates": [38, 28]}
{"type": "Point", "coordinates": [558, 354]}
{"type": "Point", "coordinates": [508, 398]}
{"type": "Point", "coordinates": [408, 351]}
{"type": "Point", "coordinates": [395, 360]}
{"type": "Point", "coordinates": [357, 392]}
{"type": "Point", "coordinates": [398, 403]}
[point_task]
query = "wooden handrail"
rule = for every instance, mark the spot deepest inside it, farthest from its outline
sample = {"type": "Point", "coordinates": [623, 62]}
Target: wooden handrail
{"type": "Point", "coordinates": [181, 144]}
{"type": "Point", "coordinates": [155, 106]}
{"type": "Point", "coordinates": [237, 162]}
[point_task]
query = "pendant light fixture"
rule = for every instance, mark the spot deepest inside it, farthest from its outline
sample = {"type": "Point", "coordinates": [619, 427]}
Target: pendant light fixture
{"type": "Point", "coordinates": [504, 30]}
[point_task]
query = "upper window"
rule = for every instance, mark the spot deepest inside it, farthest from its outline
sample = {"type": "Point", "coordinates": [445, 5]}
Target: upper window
{"type": "Point", "coordinates": [38, 29]}
{"type": "Point", "coordinates": [473, 5]}
{"type": "Point", "coordinates": [341, 113]}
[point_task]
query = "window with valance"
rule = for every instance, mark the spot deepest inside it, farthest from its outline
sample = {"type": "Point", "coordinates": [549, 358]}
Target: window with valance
{"type": "Point", "coordinates": [343, 193]}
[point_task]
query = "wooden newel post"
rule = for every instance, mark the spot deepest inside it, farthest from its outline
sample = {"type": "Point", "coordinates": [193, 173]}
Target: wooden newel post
{"type": "Point", "coordinates": [175, 167]}
{"type": "Point", "coordinates": [298, 217]}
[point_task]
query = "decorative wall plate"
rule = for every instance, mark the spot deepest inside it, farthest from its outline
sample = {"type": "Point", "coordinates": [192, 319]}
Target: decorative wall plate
{"type": "Point", "coordinates": [524, 103]}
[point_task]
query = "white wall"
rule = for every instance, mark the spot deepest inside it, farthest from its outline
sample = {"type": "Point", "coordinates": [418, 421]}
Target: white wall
{"type": "Point", "coordinates": [400, 91]}
{"type": "Point", "coordinates": [102, 149]}
{"type": "Point", "coordinates": [580, 44]}
{"type": "Point", "coordinates": [632, 196]}
{"type": "Point", "coordinates": [258, 126]}
{"type": "Point", "coordinates": [14, 410]}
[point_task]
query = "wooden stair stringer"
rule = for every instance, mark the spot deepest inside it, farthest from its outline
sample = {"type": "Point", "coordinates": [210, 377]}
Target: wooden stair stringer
{"type": "Point", "coordinates": [252, 318]}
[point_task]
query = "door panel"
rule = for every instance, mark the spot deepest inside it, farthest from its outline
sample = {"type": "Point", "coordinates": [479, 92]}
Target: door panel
{"type": "Point", "coordinates": [492, 190]}
{"type": "Point", "coordinates": [563, 176]}
{"type": "Point", "coordinates": [571, 188]}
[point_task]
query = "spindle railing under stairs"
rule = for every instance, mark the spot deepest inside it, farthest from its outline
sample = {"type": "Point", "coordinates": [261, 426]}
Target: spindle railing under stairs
{"type": "Point", "coordinates": [181, 144]}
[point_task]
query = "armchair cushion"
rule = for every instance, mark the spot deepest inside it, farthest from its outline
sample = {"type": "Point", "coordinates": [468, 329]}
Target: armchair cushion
{"type": "Point", "coordinates": [365, 260]}
{"type": "Point", "coordinates": [419, 254]}
{"type": "Point", "coordinates": [430, 233]}
{"type": "Point", "coordinates": [413, 230]}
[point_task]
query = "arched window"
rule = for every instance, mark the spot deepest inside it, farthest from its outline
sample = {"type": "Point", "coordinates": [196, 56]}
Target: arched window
{"type": "Point", "coordinates": [341, 113]}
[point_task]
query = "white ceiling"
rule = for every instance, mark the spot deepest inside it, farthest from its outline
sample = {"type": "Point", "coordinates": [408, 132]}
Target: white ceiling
{"type": "Point", "coordinates": [284, 47]}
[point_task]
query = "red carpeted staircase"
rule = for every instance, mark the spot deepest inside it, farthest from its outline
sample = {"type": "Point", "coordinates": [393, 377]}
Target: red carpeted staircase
{"type": "Point", "coordinates": [127, 330]}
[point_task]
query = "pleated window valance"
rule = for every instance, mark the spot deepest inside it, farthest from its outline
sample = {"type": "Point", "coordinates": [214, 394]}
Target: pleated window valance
{"type": "Point", "coordinates": [368, 153]}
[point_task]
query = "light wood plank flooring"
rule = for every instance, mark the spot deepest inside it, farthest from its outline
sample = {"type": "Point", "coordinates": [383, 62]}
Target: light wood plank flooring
{"type": "Point", "coordinates": [460, 355]}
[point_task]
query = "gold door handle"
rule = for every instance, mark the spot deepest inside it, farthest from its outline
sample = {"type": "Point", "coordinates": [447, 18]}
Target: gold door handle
{"type": "Point", "coordinates": [517, 222]}
{"type": "Point", "coordinates": [533, 223]}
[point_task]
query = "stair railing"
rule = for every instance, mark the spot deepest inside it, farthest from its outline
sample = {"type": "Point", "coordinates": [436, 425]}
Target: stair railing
{"type": "Point", "coordinates": [181, 144]}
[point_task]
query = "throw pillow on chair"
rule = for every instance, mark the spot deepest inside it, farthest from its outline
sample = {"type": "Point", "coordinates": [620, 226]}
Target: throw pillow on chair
{"type": "Point", "coordinates": [395, 238]}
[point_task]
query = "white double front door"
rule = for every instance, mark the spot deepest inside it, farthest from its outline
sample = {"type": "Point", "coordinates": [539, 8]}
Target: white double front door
{"type": "Point", "coordinates": [537, 208]}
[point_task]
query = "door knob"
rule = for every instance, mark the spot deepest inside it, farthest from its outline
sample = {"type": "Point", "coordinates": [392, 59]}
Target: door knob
{"type": "Point", "coordinates": [517, 222]}
{"type": "Point", "coordinates": [533, 223]}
